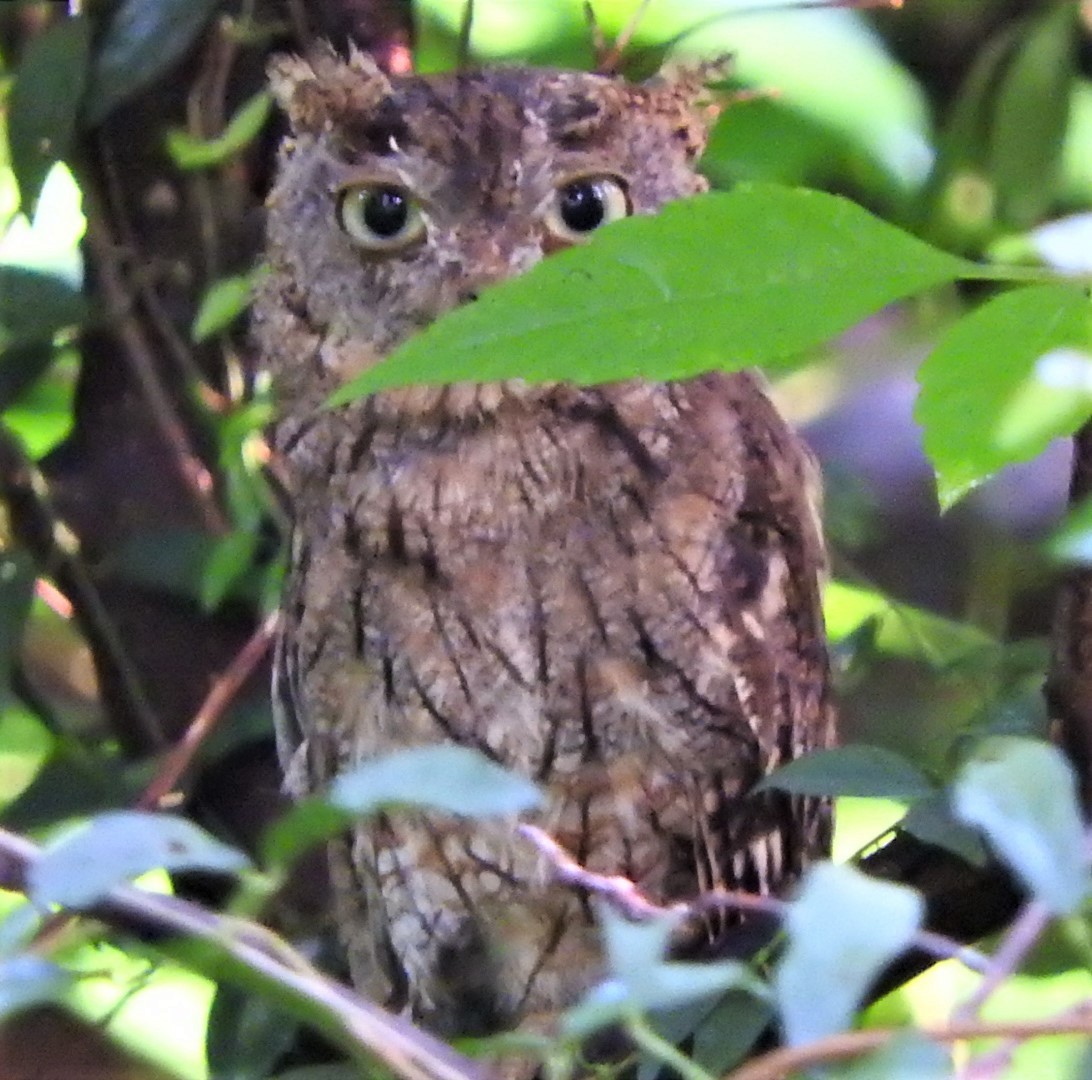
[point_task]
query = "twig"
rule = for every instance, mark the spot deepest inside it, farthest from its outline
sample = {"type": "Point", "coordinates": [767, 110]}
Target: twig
{"type": "Point", "coordinates": [238, 952]}
{"type": "Point", "coordinates": [209, 714]}
{"type": "Point", "coordinates": [631, 902]}
{"type": "Point", "coordinates": [789, 1060]}
{"type": "Point", "coordinates": [1018, 941]}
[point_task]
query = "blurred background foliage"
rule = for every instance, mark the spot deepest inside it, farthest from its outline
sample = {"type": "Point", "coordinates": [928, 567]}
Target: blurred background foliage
{"type": "Point", "coordinates": [141, 533]}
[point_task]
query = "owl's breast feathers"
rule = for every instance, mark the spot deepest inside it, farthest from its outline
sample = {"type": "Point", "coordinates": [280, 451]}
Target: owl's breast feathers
{"type": "Point", "coordinates": [613, 591]}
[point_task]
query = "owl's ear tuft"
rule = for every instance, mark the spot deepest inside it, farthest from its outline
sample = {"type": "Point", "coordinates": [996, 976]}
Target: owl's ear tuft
{"type": "Point", "coordinates": [323, 89]}
{"type": "Point", "coordinates": [683, 96]}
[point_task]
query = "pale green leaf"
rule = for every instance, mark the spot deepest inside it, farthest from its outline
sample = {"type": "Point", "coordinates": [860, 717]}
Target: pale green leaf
{"type": "Point", "coordinates": [81, 867]}
{"type": "Point", "coordinates": [842, 955]}
{"type": "Point", "coordinates": [452, 779]}
{"type": "Point", "coordinates": [862, 771]}
{"type": "Point", "coordinates": [1023, 795]}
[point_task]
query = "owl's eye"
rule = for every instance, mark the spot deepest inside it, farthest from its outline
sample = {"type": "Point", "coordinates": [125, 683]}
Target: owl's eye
{"type": "Point", "coordinates": [379, 217]}
{"type": "Point", "coordinates": [582, 205]}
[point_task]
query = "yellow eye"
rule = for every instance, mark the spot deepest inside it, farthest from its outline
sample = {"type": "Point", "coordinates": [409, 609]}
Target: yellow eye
{"type": "Point", "coordinates": [379, 217]}
{"type": "Point", "coordinates": [582, 205]}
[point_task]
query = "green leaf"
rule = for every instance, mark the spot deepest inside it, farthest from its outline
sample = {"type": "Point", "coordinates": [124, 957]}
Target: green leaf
{"type": "Point", "coordinates": [43, 416]}
{"type": "Point", "coordinates": [28, 980]}
{"type": "Point", "coordinates": [190, 153]}
{"type": "Point", "coordinates": [1031, 116]}
{"type": "Point", "coordinates": [45, 102]}
{"type": "Point", "coordinates": [1023, 795]}
{"type": "Point", "coordinates": [901, 629]}
{"type": "Point", "coordinates": [1072, 541]}
{"type": "Point", "coordinates": [227, 562]}
{"type": "Point", "coordinates": [733, 1026]}
{"type": "Point", "coordinates": [79, 869]}
{"type": "Point", "coordinates": [142, 40]}
{"type": "Point", "coordinates": [246, 1036]}
{"type": "Point", "coordinates": [21, 366]}
{"type": "Point", "coordinates": [452, 779]}
{"type": "Point", "coordinates": [753, 276]}
{"type": "Point", "coordinates": [862, 771]}
{"type": "Point", "coordinates": [224, 301]}
{"type": "Point", "coordinates": [18, 928]}
{"type": "Point", "coordinates": [304, 826]}
{"type": "Point", "coordinates": [642, 981]}
{"type": "Point", "coordinates": [842, 955]}
{"type": "Point", "coordinates": [34, 306]}
{"type": "Point", "coordinates": [931, 821]}
{"type": "Point", "coordinates": [979, 367]}
{"type": "Point", "coordinates": [908, 1056]}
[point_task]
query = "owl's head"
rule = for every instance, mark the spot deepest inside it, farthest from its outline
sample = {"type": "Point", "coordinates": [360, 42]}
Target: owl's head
{"type": "Point", "coordinates": [398, 198]}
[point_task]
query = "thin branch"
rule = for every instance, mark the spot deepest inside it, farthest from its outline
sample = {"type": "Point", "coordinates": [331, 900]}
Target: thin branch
{"type": "Point", "coordinates": [242, 953]}
{"type": "Point", "coordinates": [1019, 940]}
{"type": "Point", "coordinates": [209, 714]}
{"type": "Point", "coordinates": [789, 1060]}
{"type": "Point", "coordinates": [624, 895]}
{"type": "Point", "coordinates": [41, 530]}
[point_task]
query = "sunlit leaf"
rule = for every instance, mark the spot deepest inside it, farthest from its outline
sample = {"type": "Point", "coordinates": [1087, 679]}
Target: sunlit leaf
{"type": "Point", "coordinates": [1072, 541]}
{"type": "Point", "coordinates": [43, 415]}
{"type": "Point", "coordinates": [190, 153]}
{"type": "Point", "coordinates": [980, 364]}
{"type": "Point", "coordinates": [901, 629]}
{"type": "Point", "coordinates": [1064, 244]}
{"type": "Point", "coordinates": [28, 980]}
{"type": "Point", "coordinates": [80, 868]}
{"type": "Point", "coordinates": [753, 276]}
{"type": "Point", "coordinates": [841, 955]}
{"type": "Point", "coordinates": [45, 102]}
{"type": "Point", "coordinates": [1023, 795]}
{"type": "Point", "coordinates": [864, 771]}
{"type": "Point", "coordinates": [142, 40]}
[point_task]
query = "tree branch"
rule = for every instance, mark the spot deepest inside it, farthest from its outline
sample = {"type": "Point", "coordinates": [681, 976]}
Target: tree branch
{"type": "Point", "coordinates": [256, 959]}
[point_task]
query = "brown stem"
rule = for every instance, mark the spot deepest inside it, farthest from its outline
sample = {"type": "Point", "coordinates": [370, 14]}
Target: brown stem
{"type": "Point", "coordinates": [209, 715]}
{"type": "Point", "coordinates": [851, 1044]}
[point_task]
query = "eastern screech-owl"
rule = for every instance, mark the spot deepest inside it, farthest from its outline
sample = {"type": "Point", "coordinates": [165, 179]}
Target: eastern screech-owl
{"type": "Point", "coordinates": [612, 590]}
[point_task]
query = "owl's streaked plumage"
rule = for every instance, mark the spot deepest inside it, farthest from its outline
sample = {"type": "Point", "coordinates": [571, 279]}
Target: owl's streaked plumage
{"type": "Point", "coordinates": [614, 591]}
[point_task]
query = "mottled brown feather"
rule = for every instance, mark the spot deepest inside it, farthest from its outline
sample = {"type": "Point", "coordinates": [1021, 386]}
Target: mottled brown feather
{"type": "Point", "coordinates": [614, 591]}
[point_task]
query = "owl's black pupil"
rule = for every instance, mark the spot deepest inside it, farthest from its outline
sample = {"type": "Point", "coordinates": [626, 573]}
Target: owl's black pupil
{"type": "Point", "coordinates": [386, 211]}
{"type": "Point", "coordinates": [581, 206]}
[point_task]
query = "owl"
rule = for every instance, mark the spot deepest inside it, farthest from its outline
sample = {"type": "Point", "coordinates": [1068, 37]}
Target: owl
{"type": "Point", "coordinates": [611, 590]}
